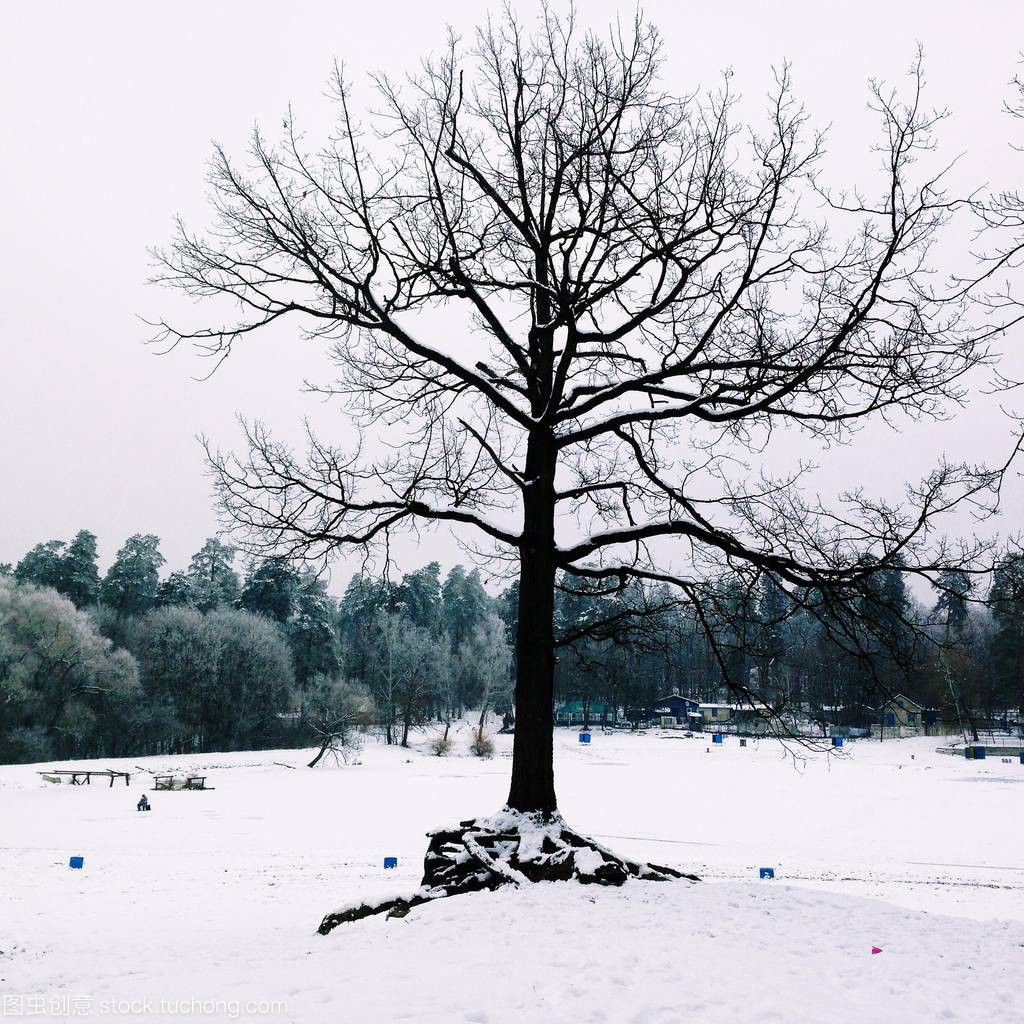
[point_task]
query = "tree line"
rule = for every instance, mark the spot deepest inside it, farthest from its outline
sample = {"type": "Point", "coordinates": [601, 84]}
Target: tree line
{"type": "Point", "coordinates": [210, 658]}
{"type": "Point", "coordinates": [958, 650]}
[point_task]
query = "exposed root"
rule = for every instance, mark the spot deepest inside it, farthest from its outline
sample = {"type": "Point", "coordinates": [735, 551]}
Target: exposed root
{"type": "Point", "coordinates": [510, 848]}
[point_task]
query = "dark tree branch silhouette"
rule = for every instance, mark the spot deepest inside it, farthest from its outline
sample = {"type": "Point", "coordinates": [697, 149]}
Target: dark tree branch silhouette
{"type": "Point", "coordinates": [636, 293]}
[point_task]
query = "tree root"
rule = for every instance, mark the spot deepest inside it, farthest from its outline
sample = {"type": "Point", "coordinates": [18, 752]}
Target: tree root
{"type": "Point", "coordinates": [510, 848]}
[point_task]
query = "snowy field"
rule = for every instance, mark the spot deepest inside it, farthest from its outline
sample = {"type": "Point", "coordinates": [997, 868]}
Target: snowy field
{"type": "Point", "coordinates": [211, 901]}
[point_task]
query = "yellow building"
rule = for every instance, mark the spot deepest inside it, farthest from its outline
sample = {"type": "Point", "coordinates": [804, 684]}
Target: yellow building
{"type": "Point", "coordinates": [901, 716]}
{"type": "Point", "coordinates": [716, 714]}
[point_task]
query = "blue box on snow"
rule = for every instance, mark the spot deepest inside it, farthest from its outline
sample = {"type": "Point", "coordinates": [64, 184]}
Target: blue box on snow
{"type": "Point", "coordinates": [390, 862]}
{"type": "Point", "coordinates": [76, 862]}
{"type": "Point", "coordinates": [766, 873]}
{"type": "Point", "coordinates": [837, 741]}
{"type": "Point", "coordinates": [584, 737]}
{"type": "Point", "coordinates": [717, 738]}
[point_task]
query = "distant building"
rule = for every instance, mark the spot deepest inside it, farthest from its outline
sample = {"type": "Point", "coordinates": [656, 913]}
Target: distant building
{"type": "Point", "coordinates": [579, 712]}
{"type": "Point", "coordinates": [716, 714]}
{"type": "Point", "coordinates": [639, 715]}
{"type": "Point", "coordinates": [852, 719]}
{"type": "Point", "coordinates": [934, 723]}
{"type": "Point", "coordinates": [764, 721]}
{"type": "Point", "coordinates": [901, 716]}
{"type": "Point", "coordinates": [900, 712]}
{"type": "Point", "coordinates": [759, 719]}
{"type": "Point", "coordinates": [675, 709]}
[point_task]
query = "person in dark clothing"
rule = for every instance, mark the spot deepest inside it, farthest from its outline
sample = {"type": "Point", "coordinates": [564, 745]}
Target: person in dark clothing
{"type": "Point", "coordinates": [143, 804]}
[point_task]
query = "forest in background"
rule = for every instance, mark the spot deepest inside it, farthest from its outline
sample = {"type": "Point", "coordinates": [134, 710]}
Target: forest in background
{"type": "Point", "coordinates": [222, 657]}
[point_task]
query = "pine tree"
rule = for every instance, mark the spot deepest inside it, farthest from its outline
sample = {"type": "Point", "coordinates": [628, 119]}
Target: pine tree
{"type": "Point", "coordinates": [131, 584]}
{"type": "Point", "coordinates": [1006, 599]}
{"type": "Point", "coordinates": [311, 634]}
{"type": "Point", "coordinates": [954, 589]}
{"type": "Point", "coordinates": [175, 591]}
{"type": "Point", "coordinates": [364, 599]}
{"type": "Point", "coordinates": [213, 580]}
{"type": "Point", "coordinates": [464, 604]}
{"type": "Point", "coordinates": [418, 597]}
{"type": "Point", "coordinates": [43, 565]}
{"type": "Point", "coordinates": [270, 589]}
{"type": "Point", "coordinates": [80, 576]}
{"type": "Point", "coordinates": [773, 607]}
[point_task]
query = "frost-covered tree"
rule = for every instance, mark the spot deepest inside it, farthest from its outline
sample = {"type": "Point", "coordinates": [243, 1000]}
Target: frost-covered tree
{"type": "Point", "coordinates": [448, 696]}
{"type": "Point", "coordinates": [131, 584]}
{"type": "Point", "coordinates": [403, 673]}
{"type": "Point", "coordinates": [418, 597]}
{"type": "Point", "coordinates": [68, 568]}
{"type": "Point", "coordinates": [464, 603]}
{"type": "Point", "coordinates": [212, 579]}
{"type": "Point", "coordinates": [484, 661]}
{"type": "Point", "coordinates": [269, 589]}
{"type": "Point", "coordinates": [299, 602]}
{"type": "Point", "coordinates": [254, 680]}
{"type": "Point", "coordinates": [177, 657]}
{"type": "Point", "coordinates": [311, 630]}
{"type": "Point", "coordinates": [213, 681]}
{"type": "Point", "coordinates": [363, 601]}
{"type": "Point", "coordinates": [175, 590]}
{"type": "Point", "coordinates": [80, 577]}
{"type": "Point", "coordinates": [43, 565]}
{"type": "Point", "coordinates": [334, 713]}
{"type": "Point", "coordinates": [54, 667]}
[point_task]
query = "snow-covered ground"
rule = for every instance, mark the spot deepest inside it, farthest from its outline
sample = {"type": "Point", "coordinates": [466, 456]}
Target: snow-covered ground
{"type": "Point", "coordinates": [211, 901]}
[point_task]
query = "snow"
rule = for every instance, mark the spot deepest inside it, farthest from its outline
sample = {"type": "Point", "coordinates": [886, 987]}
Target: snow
{"type": "Point", "coordinates": [214, 897]}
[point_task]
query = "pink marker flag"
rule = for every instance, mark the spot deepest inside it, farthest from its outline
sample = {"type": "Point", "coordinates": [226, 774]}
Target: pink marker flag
{"type": "Point", "coordinates": [875, 949]}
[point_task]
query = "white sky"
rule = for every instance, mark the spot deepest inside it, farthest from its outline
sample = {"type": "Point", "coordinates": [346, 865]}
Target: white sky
{"type": "Point", "coordinates": [109, 110]}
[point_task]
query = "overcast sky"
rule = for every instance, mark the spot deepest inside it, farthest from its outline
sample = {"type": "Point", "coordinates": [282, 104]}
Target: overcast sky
{"type": "Point", "coordinates": [109, 110]}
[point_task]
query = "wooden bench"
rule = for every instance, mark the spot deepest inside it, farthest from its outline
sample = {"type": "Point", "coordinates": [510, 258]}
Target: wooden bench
{"type": "Point", "coordinates": [171, 783]}
{"type": "Point", "coordinates": [84, 778]}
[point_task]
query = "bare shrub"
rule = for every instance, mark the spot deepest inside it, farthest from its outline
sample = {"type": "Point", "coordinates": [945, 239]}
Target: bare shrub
{"type": "Point", "coordinates": [482, 745]}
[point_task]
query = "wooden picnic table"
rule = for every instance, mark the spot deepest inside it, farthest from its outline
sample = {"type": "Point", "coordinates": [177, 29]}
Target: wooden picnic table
{"type": "Point", "coordinates": [172, 782]}
{"type": "Point", "coordinates": [80, 777]}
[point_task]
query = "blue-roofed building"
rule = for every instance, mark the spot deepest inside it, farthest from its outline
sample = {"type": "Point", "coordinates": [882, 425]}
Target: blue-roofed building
{"type": "Point", "coordinates": [675, 709]}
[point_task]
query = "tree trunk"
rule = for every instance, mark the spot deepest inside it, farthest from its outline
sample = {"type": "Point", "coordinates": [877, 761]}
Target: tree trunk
{"type": "Point", "coordinates": [323, 750]}
{"type": "Point", "coordinates": [533, 779]}
{"type": "Point", "coordinates": [972, 723]}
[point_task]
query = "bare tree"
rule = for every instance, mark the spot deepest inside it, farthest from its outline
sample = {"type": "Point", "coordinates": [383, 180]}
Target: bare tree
{"type": "Point", "coordinates": [484, 662]}
{"type": "Point", "coordinates": [334, 711]}
{"type": "Point", "coordinates": [638, 293]}
{"type": "Point", "coordinates": [404, 672]}
{"type": "Point", "coordinates": [447, 695]}
{"type": "Point", "coordinates": [1001, 217]}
